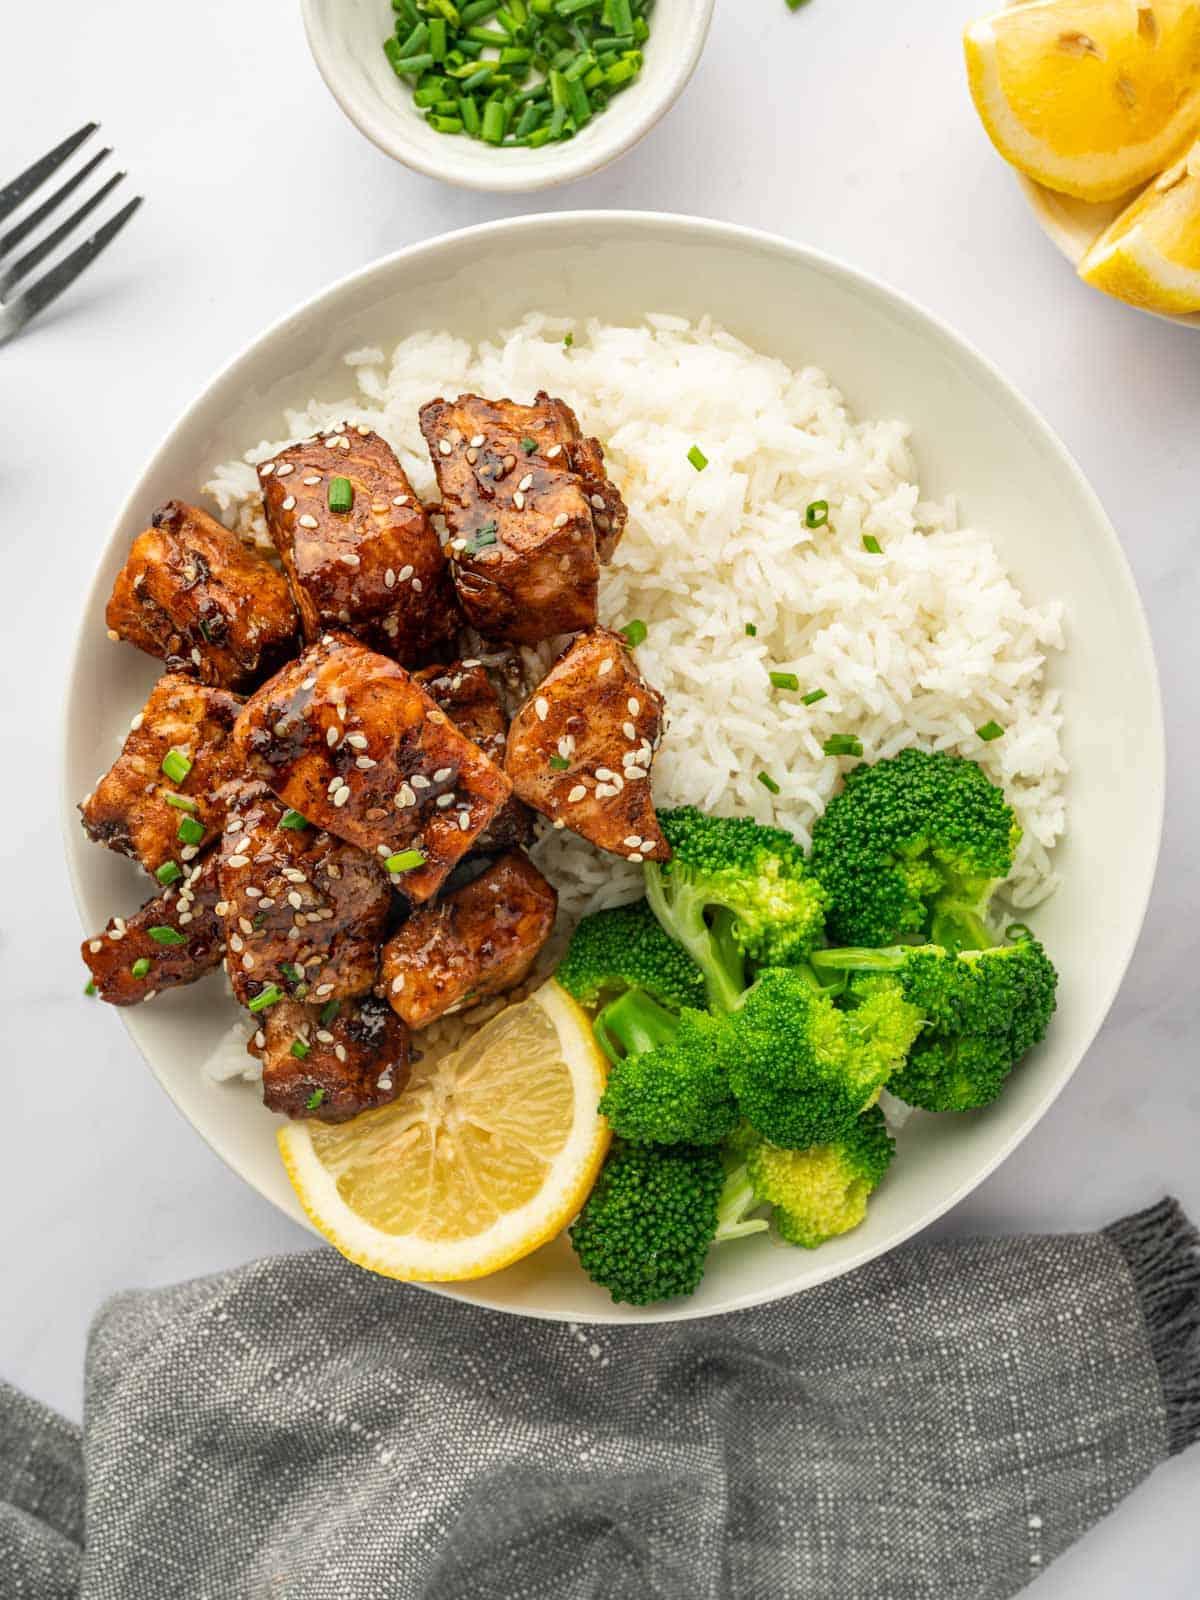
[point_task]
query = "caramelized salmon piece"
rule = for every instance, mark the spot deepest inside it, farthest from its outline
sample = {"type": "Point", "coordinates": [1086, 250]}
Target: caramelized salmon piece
{"type": "Point", "coordinates": [331, 1063]}
{"type": "Point", "coordinates": [174, 939]}
{"type": "Point", "coordinates": [466, 694]}
{"type": "Point", "coordinates": [474, 942]}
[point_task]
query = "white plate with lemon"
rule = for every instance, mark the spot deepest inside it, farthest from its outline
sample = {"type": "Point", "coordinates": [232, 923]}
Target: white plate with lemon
{"type": "Point", "coordinates": [1096, 103]}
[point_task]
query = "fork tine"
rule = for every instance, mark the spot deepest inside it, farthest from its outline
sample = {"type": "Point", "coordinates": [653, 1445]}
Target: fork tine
{"type": "Point", "coordinates": [33, 177]}
{"type": "Point", "coordinates": [26, 263]}
{"type": "Point", "coordinates": [38, 296]}
{"type": "Point", "coordinates": [24, 228]}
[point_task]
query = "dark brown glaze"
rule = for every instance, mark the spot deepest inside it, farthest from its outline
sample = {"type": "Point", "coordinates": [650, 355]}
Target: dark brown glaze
{"type": "Point", "coordinates": [128, 811]}
{"type": "Point", "coordinates": [187, 911]}
{"type": "Point", "coordinates": [522, 477]}
{"type": "Point", "coordinates": [347, 738]}
{"type": "Point", "coordinates": [355, 1059]}
{"type": "Point", "coordinates": [474, 942]}
{"type": "Point", "coordinates": [303, 911]}
{"type": "Point", "coordinates": [594, 711]}
{"type": "Point", "coordinates": [192, 594]}
{"type": "Point", "coordinates": [468, 697]}
{"type": "Point", "coordinates": [377, 571]}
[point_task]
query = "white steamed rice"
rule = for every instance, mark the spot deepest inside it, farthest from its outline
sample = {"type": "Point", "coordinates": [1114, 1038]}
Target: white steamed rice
{"type": "Point", "coordinates": [918, 646]}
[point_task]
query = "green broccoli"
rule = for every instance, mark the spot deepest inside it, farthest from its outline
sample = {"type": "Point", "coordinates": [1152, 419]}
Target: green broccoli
{"type": "Point", "coordinates": [984, 1009]}
{"type": "Point", "coordinates": [645, 1229]}
{"type": "Point", "coordinates": [625, 948]}
{"type": "Point", "coordinates": [801, 1069]}
{"type": "Point", "coordinates": [820, 1192]}
{"type": "Point", "coordinates": [913, 846]}
{"type": "Point", "coordinates": [668, 1083]}
{"type": "Point", "coordinates": [734, 889]}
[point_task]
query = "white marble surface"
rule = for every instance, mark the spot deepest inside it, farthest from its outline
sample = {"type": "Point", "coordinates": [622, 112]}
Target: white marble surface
{"type": "Point", "coordinates": [846, 125]}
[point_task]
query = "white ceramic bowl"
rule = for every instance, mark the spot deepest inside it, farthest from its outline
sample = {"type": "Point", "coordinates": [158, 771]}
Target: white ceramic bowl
{"type": "Point", "coordinates": [1075, 225]}
{"type": "Point", "coordinates": [973, 435]}
{"type": "Point", "coordinates": [346, 38]}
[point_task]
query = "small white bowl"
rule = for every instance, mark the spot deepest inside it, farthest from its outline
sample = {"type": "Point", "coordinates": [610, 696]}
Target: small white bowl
{"type": "Point", "coordinates": [346, 38]}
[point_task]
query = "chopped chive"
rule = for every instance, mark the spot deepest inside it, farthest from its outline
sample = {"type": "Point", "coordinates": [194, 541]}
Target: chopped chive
{"type": "Point", "coordinates": [768, 782]}
{"type": "Point", "coordinates": [404, 861]}
{"type": "Point", "coordinates": [167, 935]}
{"type": "Point", "coordinates": [559, 763]}
{"type": "Point", "coordinates": [314, 1099]}
{"type": "Point", "coordinates": [89, 987]}
{"type": "Point", "coordinates": [697, 457]}
{"type": "Point", "coordinates": [784, 680]}
{"type": "Point", "coordinates": [168, 872]}
{"type": "Point", "coordinates": [176, 765]}
{"type": "Point", "coordinates": [299, 1049]}
{"type": "Point", "coordinates": [529, 446]}
{"type": "Point", "coordinates": [493, 122]}
{"type": "Point", "coordinates": [269, 996]}
{"type": "Point", "coordinates": [437, 38]}
{"type": "Point", "coordinates": [751, 631]}
{"type": "Point", "coordinates": [469, 112]}
{"type": "Point", "coordinates": [568, 340]}
{"type": "Point", "coordinates": [180, 801]}
{"type": "Point", "coordinates": [295, 820]}
{"type": "Point", "coordinates": [445, 124]}
{"type": "Point", "coordinates": [990, 731]}
{"type": "Point", "coordinates": [872, 545]}
{"type": "Point", "coordinates": [190, 831]}
{"type": "Point", "coordinates": [258, 920]}
{"type": "Point", "coordinates": [408, 66]}
{"type": "Point", "coordinates": [481, 538]}
{"type": "Point", "coordinates": [634, 632]}
{"type": "Point", "coordinates": [813, 695]}
{"type": "Point", "coordinates": [140, 967]}
{"type": "Point", "coordinates": [329, 1011]}
{"type": "Point", "coordinates": [291, 973]}
{"type": "Point", "coordinates": [341, 494]}
{"type": "Point", "coordinates": [816, 515]}
{"type": "Point", "coordinates": [842, 744]}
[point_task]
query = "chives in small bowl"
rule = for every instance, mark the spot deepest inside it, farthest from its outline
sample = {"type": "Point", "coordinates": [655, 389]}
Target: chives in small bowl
{"type": "Point", "coordinates": [518, 73]}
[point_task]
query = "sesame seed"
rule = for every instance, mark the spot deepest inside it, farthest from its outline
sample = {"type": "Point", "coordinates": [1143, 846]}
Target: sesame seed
{"type": "Point", "coordinates": [331, 442]}
{"type": "Point", "coordinates": [307, 521]}
{"type": "Point", "coordinates": [363, 430]}
{"type": "Point", "coordinates": [444, 800]}
{"type": "Point", "coordinates": [417, 585]}
{"type": "Point", "coordinates": [605, 773]}
{"type": "Point", "coordinates": [477, 442]}
{"type": "Point", "coordinates": [542, 706]}
{"type": "Point", "coordinates": [294, 875]}
{"type": "Point", "coordinates": [561, 520]}
{"type": "Point", "coordinates": [339, 1051]}
{"type": "Point", "coordinates": [137, 722]}
{"type": "Point", "coordinates": [458, 544]}
{"type": "Point", "coordinates": [554, 451]}
{"type": "Point", "coordinates": [221, 908]}
{"type": "Point", "coordinates": [313, 477]}
{"type": "Point", "coordinates": [290, 503]}
{"type": "Point", "coordinates": [464, 820]}
{"type": "Point", "coordinates": [634, 707]}
{"type": "Point", "coordinates": [196, 656]}
{"type": "Point", "coordinates": [340, 708]}
{"type": "Point", "coordinates": [96, 944]}
{"type": "Point", "coordinates": [404, 797]}
{"type": "Point", "coordinates": [363, 763]}
{"type": "Point", "coordinates": [632, 842]}
{"type": "Point", "coordinates": [341, 797]}
{"type": "Point", "coordinates": [605, 791]}
{"type": "Point", "coordinates": [629, 730]}
{"type": "Point", "coordinates": [559, 823]}
{"type": "Point", "coordinates": [246, 926]}
{"type": "Point", "coordinates": [235, 943]}
{"type": "Point", "coordinates": [379, 507]}
{"type": "Point", "coordinates": [399, 499]}
{"type": "Point", "coordinates": [472, 663]}
{"type": "Point", "coordinates": [237, 861]}
{"type": "Point", "coordinates": [324, 1036]}
{"type": "Point", "coordinates": [350, 559]}
{"type": "Point", "coordinates": [267, 468]}
{"type": "Point", "coordinates": [419, 781]}
{"type": "Point", "coordinates": [577, 793]}
{"type": "Point", "coordinates": [343, 442]}
{"type": "Point", "coordinates": [295, 900]}
{"type": "Point", "coordinates": [404, 574]}
{"type": "Point", "coordinates": [389, 579]}
{"type": "Point", "coordinates": [635, 772]}
{"type": "Point", "coordinates": [119, 924]}
{"type": "Point", "coordinates": [248, 962]}
{"type": "Point", "coordinates": [605, 666]}
{"type": "Point", "coordinates": [149, 995]}
{"type": "Point", "coordinates": [188, 853]}
{"type": "Point", "coordinates": [358, 740]}
{"type": "Point", "coordinates": [598, 502]}
{"type": "Point", "coordinates": [519, 500]}
{"type": "Point", "coordinates": [445, 446]}
{"type": "Point", "coordinates": [636, 855]}
{"type": "Point", "coordinates": [282, 471]}
{"type": "Point", "coordinates": [113, 635]}
{"type": "Point", "coordinates": [526, 482]}
{"type": "Point", "coordinates": [308, 683]}
{"type": "Point", "coordinates": [332, 735]}
{"type": "Point", "coordinates": [184, 918]}
{"type": "Point", "coordinates": [442, 774]}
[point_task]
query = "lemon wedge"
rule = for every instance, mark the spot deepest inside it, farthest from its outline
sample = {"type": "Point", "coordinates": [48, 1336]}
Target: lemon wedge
{"type": "Point", "coordinates": [489, 1152]}
{"type": "Point", "coordinates": [1089, 97]}
{"type": "Point", "coordinates": [1150, 255]}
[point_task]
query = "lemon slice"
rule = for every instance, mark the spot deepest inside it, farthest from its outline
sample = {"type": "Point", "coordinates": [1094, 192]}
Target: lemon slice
{"type": "Point", "coordinates": [1089, 97]}
{"type": "Point", "coordinates": [488, 1153]}
{"type": "Point", "coordinates": [1150, 255]}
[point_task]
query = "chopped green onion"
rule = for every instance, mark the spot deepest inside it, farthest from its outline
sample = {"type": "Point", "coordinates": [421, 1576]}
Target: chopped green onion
{"type": "Point", "coordinates": [444, 124]}
{"type": "Point", "coordinates": [314, 1099]}
{"type": "Point", "coordinates": [176, 765]}
{"type": "Point", "coordinates": [634, 632]}
{"type": "Point", "coordinates": [437, 38]}
{"type": "Point", "coordinates": [180, 801]}
{"type": "Point", "coordinates": [559, 763]}
{"type": "Point", "coordinates": [813, 695]}
{"type": "Point", "coordinates": [784, 680]}
{"type": "Point", "coordinates": [291, 973]}
{"type": "Point", "coordinates": [404, 861]}
{"type": "Point", "coordinates": [89, 987]}
{"type": "Point", "coordinates": [842, 744]}
{"type": "Point", "coordinates": [329, 1011]}
{"type": "Point", "coordinates": [697, 457]}
{"type": "Point", "coordinates": [751, 631]}
{"type": "Point", "coordinates": [529, 446]}
{"type": "Point", "coordinates": [190, 831]}
{"type": "Point", "coordinates": [990, 731]}
{"type": "Point", "coordinates": [269, 996]}
{"type": "Point", "coordinates": [481, 538]}
{"type": "Point", "coordinates": [294, 820]}
{"type": "Point", "coordinates": [768, 782]}
{"type": "Point", "coordinates": [168, 872]}
{"type": "Point", "coordinates": [493, 122]}
{"type": "Point", "coordinates": [167, 935]}
{"type": "Point", "coordinates": [407, 66]}
{"type": "Point", "coordinates": [341, 494]}
{"type": "Point", "coordinates": [872, 545]}
{"type": "Point", "coordinates": [469, 112]}
{"type": "Point", "coordinates": [568, 340]}
{"type": "Point", "coordinates": [816, 515]}
{"type": "Point", "coordinates": [299, 1049]}
{"type": "Point", "coordinates": [140, 967]}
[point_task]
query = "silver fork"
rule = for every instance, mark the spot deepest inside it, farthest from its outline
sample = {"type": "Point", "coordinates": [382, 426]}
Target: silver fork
{"type": "Point", "coordinates": [17, 310]}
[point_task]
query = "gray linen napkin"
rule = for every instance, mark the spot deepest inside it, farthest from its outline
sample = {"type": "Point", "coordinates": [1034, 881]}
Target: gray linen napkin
{"type": "Point", "coordinates": [942, 1423]}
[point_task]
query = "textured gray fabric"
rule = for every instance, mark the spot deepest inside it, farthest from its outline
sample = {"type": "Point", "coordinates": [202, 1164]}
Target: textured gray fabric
{"type": "Point", "coordinates": [941, 1424]}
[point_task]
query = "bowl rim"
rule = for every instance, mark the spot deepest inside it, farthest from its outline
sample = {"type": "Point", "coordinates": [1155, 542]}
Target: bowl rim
{"type": "Point", "coordinates": [693, 228]}
{"type": "Point", "coordinates": [577, 160]}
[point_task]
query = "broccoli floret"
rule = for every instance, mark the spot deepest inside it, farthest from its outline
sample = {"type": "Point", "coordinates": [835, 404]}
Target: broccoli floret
{"type": "Point", "coordinates": [820, 1192]}
{"type": "Point", "coordinates": [668, 1083]}
{"type": "Point", "coordinates": [627, 949]}
{"type": "Point", "coordinates": [645, 1229]}
{"type": "Point", "coordinates": [913, 846]}
{"type": "Point", "coordinates": [734, 889]}
{"type": "Point", "coordinates": [984, 1009]}
{"type": "Point", "coordinates": [801, 1069]}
